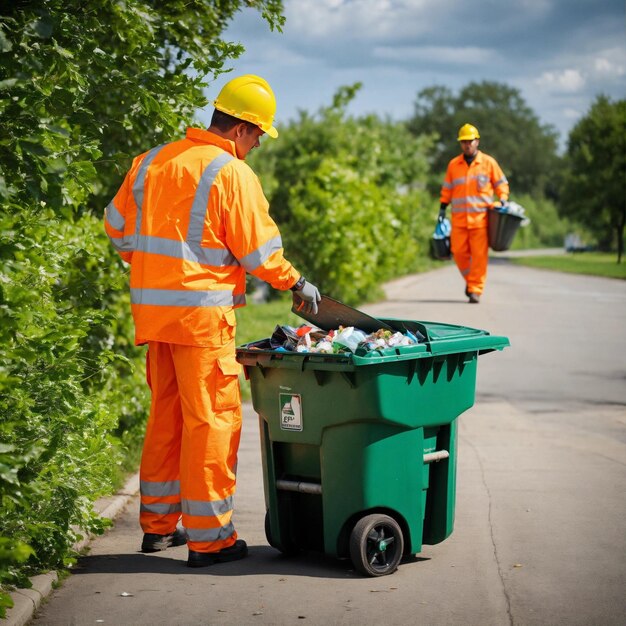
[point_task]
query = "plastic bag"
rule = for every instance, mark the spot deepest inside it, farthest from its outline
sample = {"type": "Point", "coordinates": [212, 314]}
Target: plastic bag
{"type": "Point", "coordinates": [349, 337]}
{"type": "Point", "coordinates": [443, 229]}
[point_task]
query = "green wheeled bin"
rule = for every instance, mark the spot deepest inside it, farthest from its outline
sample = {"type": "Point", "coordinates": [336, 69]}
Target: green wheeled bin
{"type": "Point", "coordinates": [359, 450]}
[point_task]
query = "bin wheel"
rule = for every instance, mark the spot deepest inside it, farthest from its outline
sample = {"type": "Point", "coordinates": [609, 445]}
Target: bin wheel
{"type": "Point", "coordinates": [376, 545]}
{"type": "Point", "coordinates": [287, 549]}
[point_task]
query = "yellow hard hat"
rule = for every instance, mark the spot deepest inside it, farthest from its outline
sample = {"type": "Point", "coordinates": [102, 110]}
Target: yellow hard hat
{"type": "Point", "coordinates": [467, 132]}
{"type": "Point", "coordinates": [249, 98]}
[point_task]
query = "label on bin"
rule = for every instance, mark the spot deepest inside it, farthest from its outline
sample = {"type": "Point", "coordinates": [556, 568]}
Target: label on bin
{"type": "Point", "coordinates": [290, 411]}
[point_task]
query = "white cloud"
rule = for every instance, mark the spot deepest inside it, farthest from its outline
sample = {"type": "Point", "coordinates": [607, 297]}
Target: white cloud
{"type": "Point", "coordinates": [607, 66]}
{"type": "Point", "coordinates": [571, 114]}
{"type": "Point", "coordinates": [462, 55]}
{"type": "Point", "coordinates": [559, 58]}
{"type": "Point", "coordinates": [568, 80]}
{"type": "Point", "coordinates": [357, 19]}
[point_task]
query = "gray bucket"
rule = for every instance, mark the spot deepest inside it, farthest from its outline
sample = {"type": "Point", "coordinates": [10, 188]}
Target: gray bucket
{"type": "Point", "coordinates": [502, 229]}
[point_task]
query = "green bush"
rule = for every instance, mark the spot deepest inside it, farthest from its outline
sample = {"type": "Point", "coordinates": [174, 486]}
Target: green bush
{"type": "Point", "coordinates": [84, 87]}
{"type": "Point", "coordinates": [54, 423]}
{"type": "Point", "coordinates": [546, 229]}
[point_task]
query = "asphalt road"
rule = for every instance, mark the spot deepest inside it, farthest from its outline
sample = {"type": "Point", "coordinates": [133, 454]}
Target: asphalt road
{"type": "Point", "coordinates": [540, 530]}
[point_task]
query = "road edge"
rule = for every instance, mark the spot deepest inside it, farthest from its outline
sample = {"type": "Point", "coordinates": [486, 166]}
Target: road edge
{"type": "Point", "coordinates": [27, 601]}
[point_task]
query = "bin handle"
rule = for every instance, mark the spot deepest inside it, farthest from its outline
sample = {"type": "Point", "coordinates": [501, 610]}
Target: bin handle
{"type": "Point", "coordinates": [433, 457]}
{"type": "Point", "coordinates": [299, 486]}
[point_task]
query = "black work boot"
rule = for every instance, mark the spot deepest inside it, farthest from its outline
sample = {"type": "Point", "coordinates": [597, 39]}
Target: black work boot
{"type": "Point", "coordinates": [155, 543]}
{"type": "Point", "coordinates": [474, 298]}
{"type": "Point", "coordinates": [238, 550]}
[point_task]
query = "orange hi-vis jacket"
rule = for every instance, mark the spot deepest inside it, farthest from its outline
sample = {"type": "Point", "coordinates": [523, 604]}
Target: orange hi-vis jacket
{"type": "Point", "coordinates": [471, 188]}
{"type": "Point", "coordinates": [191, 219]}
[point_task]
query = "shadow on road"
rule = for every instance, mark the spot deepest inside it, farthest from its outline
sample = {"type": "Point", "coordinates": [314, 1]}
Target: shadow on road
{"type": "Point", "coordinates": [261, 560]}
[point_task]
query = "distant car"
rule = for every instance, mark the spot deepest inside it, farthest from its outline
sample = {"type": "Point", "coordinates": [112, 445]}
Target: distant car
{"type": "Point", "coordinates": [573, 243]}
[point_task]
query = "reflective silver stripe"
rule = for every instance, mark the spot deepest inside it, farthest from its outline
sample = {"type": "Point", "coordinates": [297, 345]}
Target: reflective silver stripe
{"type": "Point", "coordinates": [469, 209]}
{"type": "Point", "coordinates": [138, 185]}
{"type": "Point", "coordinates": [207, 508]}
{"type": "Point", "coordinates": [181, 297]}
{"type": "Point", "coordinates": [447, 185]}
{"type": "Point", "coordinates": [256, 258]}
{"type": "Point", "coordinates": [123, 244]}
{"type": "Point", "coordinates": [114, 217]}
{"type": "Point", "coordinates": [458, 181]}
{"type": "Point", "coordinates": [189, 249]}
{"type": "Point", "coordinates": [210, 534]}
{"type": "Point", "coordinates": [471, 200]}
{"type": "Point", "coordinates": [201, 197]}
{"type": "Point", "coordinates": [500, 182]}
{"type": "Point", "coordinates": [160, 508]}
{"type": "Point", "coordinates": [158, 489]}
{"type": "Point", "coordinates": [216, 257]}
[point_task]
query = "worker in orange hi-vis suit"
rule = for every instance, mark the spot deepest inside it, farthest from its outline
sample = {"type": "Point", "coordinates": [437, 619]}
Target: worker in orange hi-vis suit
{"type": "Point", "coordinates": [472, 180]}
{"type": "Point", "coordinates": [191, 219]}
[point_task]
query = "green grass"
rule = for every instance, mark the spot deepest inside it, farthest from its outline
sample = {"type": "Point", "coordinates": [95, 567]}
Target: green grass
{"type": "Point", "coordinates": [591, 263]}
{"type": "Point", "coordinates": [257, 321]}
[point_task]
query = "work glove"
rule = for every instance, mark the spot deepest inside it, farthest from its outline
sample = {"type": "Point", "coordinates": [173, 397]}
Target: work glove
{"type": "Point", "coordinates": [306, 298]}
{"type": "Point", "coordinates": [504, 204]}
{"type": "Point", "coordinates": [442, 211]}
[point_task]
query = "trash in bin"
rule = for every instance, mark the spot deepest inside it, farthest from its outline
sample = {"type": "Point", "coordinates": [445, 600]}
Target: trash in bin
{"type": "Point", "coordinates": [359, 448]}
{"type": "Point", "coordinates": [503, 223]}
{"type": "Point", "coordinates": [348, 339]}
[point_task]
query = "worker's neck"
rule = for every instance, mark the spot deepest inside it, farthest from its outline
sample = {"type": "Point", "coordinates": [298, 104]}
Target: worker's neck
{"type": "Point", "coordinates": [230, 134]}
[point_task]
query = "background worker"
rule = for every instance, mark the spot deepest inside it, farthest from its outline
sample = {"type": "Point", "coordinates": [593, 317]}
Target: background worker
{"type": "Point", "coordinates": [191, 219]}
{"type": "Point", "coordinates": [472, 179]}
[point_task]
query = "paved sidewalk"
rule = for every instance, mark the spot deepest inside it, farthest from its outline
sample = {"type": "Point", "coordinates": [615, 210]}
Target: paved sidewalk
{"type": "Point", "coordinates": [540, 529]}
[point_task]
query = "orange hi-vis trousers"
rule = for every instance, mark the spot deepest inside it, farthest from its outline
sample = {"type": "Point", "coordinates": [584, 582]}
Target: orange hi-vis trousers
{"type": "Point", "coordinates": [189, 458]}
{"type": "Point", "coordinates": [470, 248]}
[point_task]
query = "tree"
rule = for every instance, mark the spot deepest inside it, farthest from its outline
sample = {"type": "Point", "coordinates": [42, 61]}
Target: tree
{"type": "Point", "coordinates": [510, 131]}
{"type": "Point", "coordinates": [87, 86]}
{"type": "Point", "coordinates": [595, 178]}
{"type": "Point", "coordinates": [83, 87]}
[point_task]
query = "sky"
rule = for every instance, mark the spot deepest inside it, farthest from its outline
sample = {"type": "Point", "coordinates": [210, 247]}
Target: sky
{"type": "Point", "coordinates": [560, 54]}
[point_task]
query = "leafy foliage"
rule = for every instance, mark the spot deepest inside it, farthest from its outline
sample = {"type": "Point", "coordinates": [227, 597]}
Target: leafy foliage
{"type": "Point", "coordinates": [510, 132]}
{"type": "Point", "coordinates": [83, 88]}
{"type": "Point", "coordinates": [546, 227]}
{"type": "Point", "coordinates": [349, 196]}
{"type": "Point", "coordinates": [55, 418]}
{"type": "Point", "coordinates": [593, 191]}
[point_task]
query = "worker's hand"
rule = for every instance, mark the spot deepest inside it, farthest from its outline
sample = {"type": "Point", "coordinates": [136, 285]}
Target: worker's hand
{"type": "Point", "coordinates": [306, 299]}
{"type": "Point", "coordinates": [504, 204]}
{"type": "Point", "coordinates": [442, 213]}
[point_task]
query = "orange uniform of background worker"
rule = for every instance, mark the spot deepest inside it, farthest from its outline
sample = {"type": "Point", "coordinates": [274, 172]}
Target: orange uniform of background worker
{"type": "Point", "coordinates": [191, 219]}
{"type": "Point", "coordinates": [472, 179]}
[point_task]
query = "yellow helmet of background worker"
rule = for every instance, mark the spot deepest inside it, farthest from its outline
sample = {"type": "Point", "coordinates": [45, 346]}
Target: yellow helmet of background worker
{"type": "Point", "coordinates": [467, 132]}
{"type": "Point", "coordinates": [249, 98]}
